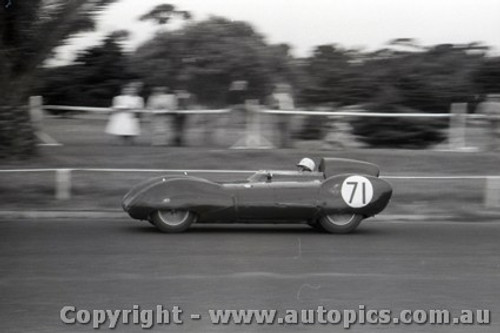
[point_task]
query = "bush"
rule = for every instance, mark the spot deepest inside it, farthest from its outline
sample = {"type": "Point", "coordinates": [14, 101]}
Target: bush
{"type": "Point", "coordinates": [396, 132]}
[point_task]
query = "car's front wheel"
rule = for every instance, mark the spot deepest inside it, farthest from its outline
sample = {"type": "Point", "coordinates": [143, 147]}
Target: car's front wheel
{"type": "Point", "coordinates": [340, 223]}
{"type": "Point", "coordinates": [316, 225]}
{"type": "Point", "coordinates": [173, 220]}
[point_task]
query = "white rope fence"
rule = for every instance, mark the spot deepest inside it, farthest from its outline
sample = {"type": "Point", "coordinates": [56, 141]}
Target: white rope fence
{"type": "Point", "coordinates": [107, 110]}
{"type": "Point", "coordinates": [253, 138]}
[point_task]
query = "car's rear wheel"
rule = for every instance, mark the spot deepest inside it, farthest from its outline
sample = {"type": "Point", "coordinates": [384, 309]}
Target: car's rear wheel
{"type": "Point", "coordinates": [173, 220]}
{"type": "Point", "coordinates": [340, 223]}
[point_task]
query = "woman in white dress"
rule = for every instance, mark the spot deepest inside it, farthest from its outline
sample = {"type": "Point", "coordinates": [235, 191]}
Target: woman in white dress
{"type": "Point", "coordinates": [123, 120]}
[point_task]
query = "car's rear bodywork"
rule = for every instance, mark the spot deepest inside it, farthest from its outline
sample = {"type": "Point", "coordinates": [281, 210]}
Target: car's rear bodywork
{"type": "Point", "coordinates": [339, 187]}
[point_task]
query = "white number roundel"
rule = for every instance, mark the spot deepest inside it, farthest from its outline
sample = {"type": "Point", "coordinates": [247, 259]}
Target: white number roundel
{"type": "Point", "coordinates": [357, 191]}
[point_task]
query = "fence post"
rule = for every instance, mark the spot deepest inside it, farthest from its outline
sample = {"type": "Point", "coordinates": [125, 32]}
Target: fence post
{"type": "Point", "coordinates": [492, 192]}
{"type": "Point", "coordinates": [458, 123]}
{"type": "Point", "coordinates": [63, 184]}
{"type": "Point", "coordinates": [36, 115]}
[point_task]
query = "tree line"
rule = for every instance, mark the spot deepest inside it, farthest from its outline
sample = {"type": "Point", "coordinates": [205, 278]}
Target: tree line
{"type": "Point", "coordinates": [205, 56]}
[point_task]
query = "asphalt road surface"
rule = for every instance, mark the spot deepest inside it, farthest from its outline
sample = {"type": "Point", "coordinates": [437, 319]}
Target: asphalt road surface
{"type": "Point", "coordinates": [117, 264]}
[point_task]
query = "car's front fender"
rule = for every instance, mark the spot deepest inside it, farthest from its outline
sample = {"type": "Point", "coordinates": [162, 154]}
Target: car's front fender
{"type": "Point", "coordinates": [352, 193]}
{"type": "Point", "coordinates": [176, 193]}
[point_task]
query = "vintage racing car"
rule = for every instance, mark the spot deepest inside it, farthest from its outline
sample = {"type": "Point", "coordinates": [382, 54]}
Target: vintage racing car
{"type": "Point", "coordinates": [335, 198]}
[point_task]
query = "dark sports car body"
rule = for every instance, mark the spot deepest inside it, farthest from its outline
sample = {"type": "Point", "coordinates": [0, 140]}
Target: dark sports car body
{"type": "Point", "coordinates": [334, 199]}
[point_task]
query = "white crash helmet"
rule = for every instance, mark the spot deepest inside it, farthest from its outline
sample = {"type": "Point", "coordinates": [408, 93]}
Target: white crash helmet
{"type": "Point", "coordinates": [307, 164]}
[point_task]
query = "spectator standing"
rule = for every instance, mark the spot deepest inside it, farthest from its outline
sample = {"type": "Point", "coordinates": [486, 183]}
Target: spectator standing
{"type": "Point", "coordinates": [184, 102]}
{"type": "Point", "coordinates": [123, 121]}
{"type": "Point", "coordinates": [282, 99]}
{"type": "Point", "coordinates": [237, 95]}
{"type": "Point", "coordinates": [161, 103]}
{"type": "Point", "coordinates": [491, 108]}
{"type": "Point", "coordinates": [236, 98]}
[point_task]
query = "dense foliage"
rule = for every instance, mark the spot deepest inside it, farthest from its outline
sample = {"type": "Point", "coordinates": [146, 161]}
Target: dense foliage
{"type": "Point", "coordinates": [29, 32]}
{"type": "Point", "coordinates": [96, 76]}
{"type": "Point", "coordinates": [205, 56]}
{"type": "Point", "coordinates": [427, 81]}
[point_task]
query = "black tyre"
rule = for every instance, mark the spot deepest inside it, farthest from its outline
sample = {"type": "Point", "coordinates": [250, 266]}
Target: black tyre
{"type": "Point", "coordinates": [316, 226]}
{"type": "Point", "coordinates": [173, 220]}
{"type": "Point", "coordinates": [340, 223]}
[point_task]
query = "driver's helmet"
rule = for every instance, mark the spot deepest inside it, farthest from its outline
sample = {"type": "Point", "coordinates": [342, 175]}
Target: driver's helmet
{"type": "Point", "coordinates": [306, 164]}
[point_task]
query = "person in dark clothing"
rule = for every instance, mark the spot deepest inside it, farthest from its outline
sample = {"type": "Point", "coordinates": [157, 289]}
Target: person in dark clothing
{"type": "Point", "coordinates": [282, 99]}
{"type": "Point", "coordinates": [237, 94]}
{"type": "Point", "coordinates": [184, 102]}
